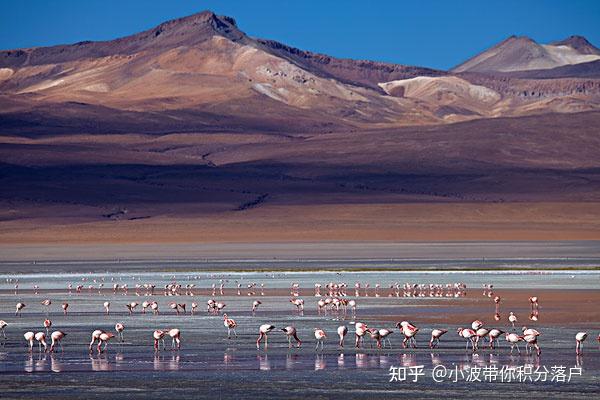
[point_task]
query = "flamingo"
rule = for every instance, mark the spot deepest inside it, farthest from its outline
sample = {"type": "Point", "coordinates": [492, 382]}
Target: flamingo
{"type": "Point", "coordinates": [29, 336]}
{"type": "Point", "coordinates": [119, 327]}
{"type": "Point", "coordinates": [494, 334]}
{"type": "Point", "coordinates": [476, 324]}
{"type": "Point", "coordinates": [512, 318]}
{"type": "Point", "coordinates": [342, 331]}
{"type": "Point", "coordinates": [104, 338]}
{"type": "Point", "coordinates": [299, 303]}
{"type": "Point", "coordinates": [131, 307]}
{"type": "Point", "coordinates": [46, 303]}
{"type": "Point", "coordinates": [174, 306]}
{"type": "Point", "coordinates": [107, 307]}
{"type": "Point", "coordinates": [436, 334]}
{"type": "Point", "coordinates": [41, 339]}
{"type": "Point", "coordinates": [175, 338]}
{"type": "Point", "coordinates": [352, 305]}
{"type": "Point", "coordinates": [194, 307]}
{"type": "Point", "coordinates": [534, 303]}
{"type": "Point", "coordinates": [320, 335]}
{"type": "Point", "coordinates": [481, 334]}
{"type": "Point", "coordinates": [384, 333]}
{"type": "Point", "coordinates": [159, 336]}
{"type": "Point", "coordinates": [579, 339]}
{"type": "Point", "coordinates": [514, 340]}
{"type": "Point", "coordinates": [47, 324]}
{"type": "Point", "coordinates": [360, 331]}
{"type": "Point", "coordinates": [374, 333]}
{"type": "Point", "coordinates": [20, 306]}
{"type": "Point", "coordinates": [255, 305]}
{"type": "Point", "coordinates": [230, 324]}
{"type": "Point", "coordinates": [468, 334]}
{"type": "Point", "coordinates": [220, 306]}
{"type": "Point", "coordinates": [145, 305]}
{"type": "Point", "coordinates": [95, 336]}
{"type": "Point", "coordinates": [409, 331]}
{"type": "Point", "coordinates": [291, 332]}
{"type": "Point", "coordinates": [3, 325]}
{"type": "Point", "coordinates": [65, 306]}
{"type": "Point", "coordinates": [263, 332]}
{"type": "Point", "coordinates": [154, 307]}
{"type": "Point", "coordinates": [530, 337]}
{"type": "Point", "coordinates": [57, 337]}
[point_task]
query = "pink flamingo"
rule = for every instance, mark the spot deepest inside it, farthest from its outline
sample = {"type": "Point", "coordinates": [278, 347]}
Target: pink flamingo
{"type": "Point", "coordinates": [530, 336]}
{"type": "Point", "coordinates": [494, 334]}
{"type": "Point", "coordinates": [360, 329]}
{"type": "Point", "coordinates": [230, 324]}
{"type": "Point", "coordinates": [41, 339]}
{"type": "Point", "coordinates": [468, 334]}
{"type": "Point", "coordinates": [255, 305]}
{"type": "Point", "coordinates": [320, 335]}
{"type": "Point", "coordinates": [291, 332]}
{"type": "Point", "coordinates": [384, 333]}
{"type": "Point", "coordinates": [175, 335]}
{"type": "Point", "coordinates": [159, 336]}
{"type": "Point", "coordinates": [342, 331]}
{"type": "Point", "coordinates": [57, 337]}
{"type": "Point", "coordinates": [194, 307]}
{"type": "Point", "coordinates": [29, 337]}
{"type": "Point", "coordinates": [409, 331]}
{"type": "Point", "coordinates": [119, 327]}
{"type": "Point", "coordinates": [107, 307]}
{"type": "Point", "coordinates": [534, 303]}
{"type": "Point", "coordinates": [20, 306]}
{"type": "Point", "coordinates": [95, 336]}
{"type": "Point", "coordinates": [47, 325]}
{"type": "Point", "coordinates": [104, 338]}
{"type": "Point", "coordinates": [512, 318]}
{"type": "Point", "coordinates": [263, 332]}
{"type": "Point", "coordinates": [436, 334]}
{"type": "Point", "coordinates": [514, 340]}
{"type": "Point", "coordinates": [65, 306]}
{"type": "Point", "coordinates": [579, 339]}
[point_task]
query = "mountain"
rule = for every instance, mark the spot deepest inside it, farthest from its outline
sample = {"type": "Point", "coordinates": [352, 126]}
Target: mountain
{"type": "Point", "coordinates": [524, 54]}
{"type": "Point", "coordinates": [193, 130]}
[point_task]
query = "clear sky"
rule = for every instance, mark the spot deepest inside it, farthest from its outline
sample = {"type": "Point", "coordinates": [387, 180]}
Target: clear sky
{"type": "Point", "coordinates": [433, 33]}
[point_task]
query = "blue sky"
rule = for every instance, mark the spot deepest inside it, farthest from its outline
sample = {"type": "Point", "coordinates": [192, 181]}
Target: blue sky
{"type": "Point", "coordinates": [436, 33]}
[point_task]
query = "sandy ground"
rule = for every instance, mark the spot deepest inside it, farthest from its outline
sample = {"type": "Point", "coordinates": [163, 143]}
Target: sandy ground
{"type": "Point", "coordinates": [329, 222]}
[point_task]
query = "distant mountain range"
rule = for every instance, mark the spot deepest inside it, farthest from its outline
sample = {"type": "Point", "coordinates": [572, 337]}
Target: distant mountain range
{"type": "Point", "coordinates": [202, 72]}
{"type": "Point", "coordinates": [194, 118]}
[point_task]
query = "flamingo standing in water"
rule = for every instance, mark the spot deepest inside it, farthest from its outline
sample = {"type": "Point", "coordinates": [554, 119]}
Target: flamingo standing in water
{"type": "Point", "coordinates": [29, 336]}
{"type": "Point", "coordinates": [119, 327]}
{"type": "Point", "coordinates": [41, 339]}
{"type": "Point", "coordinates": [255, 305]}
{"type": "Point", "coordinates": [436, 334]}
{"type": "Point", "coordinates": [131, 306]}
{"type": "Point", "coordinates": [342, 331]}
{"type": "Point", "coordinates": [230, 324]}
{"type": "Point", "coordinates": [20, 306]}
{"type": "Point", "coordinates": [107, 307]}
{"type": "Point", "coordinates": [530, 336]}
{"type": "Point", "coordinates": [512, 318]}
{"type": "Point", "coordinates": [95, 336]}
{"type": "Point", "coordinates": [174, 306]}
{"type": "Point", "coordinates": [384, 333]}
{"type": "Point", "coordinates": [3, 325]}
{"type": "Point", "coordinates": [291, 332]}
{"type": "Point", "coordinates": [65, 306]}
{"type": "Point", "coordinates": [154, 307]}
{"type": "Point", "coordinates": [494, 334]}
{"type": "Point", "coordinates": [374, 333]}
{"type": "Point", "coordinates": [497, 300]}
{"type": "Point", "coordinates": [175, 338]}
{"type": "Point", "coordinates": [104, 338]}
{"type": "Point", "coordinates": [47, 325]}
{"type": "Point", "coordinates": [514, 340]}
{"type": "Point", "coordinates": [159, 336]}
{"type": "Point", "coordinates": [263, 332]}
{"type": "Point", "coordinates": [320, 336]}
{"type": "Point", "coordinates": [468, 334]}
{"type": "Point", "coordinates": [46, 303]}
{"type": "Point", "coordinates": [194, 307]}
{"type": "Point", "coordinates": [57, 337]}
{"type": "Point", "coordinates": [145, 305]}
{"type": "Point", "coordinates": [409, 331]}
{"type": "Point", "coordinates": [360, 330]}
{"type": "Point", "coordinates": [579, 339]}
{"type": "Point", "coordinates": [534, 303]}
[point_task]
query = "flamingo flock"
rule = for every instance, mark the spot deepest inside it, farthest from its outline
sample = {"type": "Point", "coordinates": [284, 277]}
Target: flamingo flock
{"type": "Point", "coordinates": [332, 301]}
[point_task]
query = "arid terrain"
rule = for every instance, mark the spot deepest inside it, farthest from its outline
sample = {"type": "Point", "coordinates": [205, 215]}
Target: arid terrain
{"type": "Point", "coordinates": [195, 132]}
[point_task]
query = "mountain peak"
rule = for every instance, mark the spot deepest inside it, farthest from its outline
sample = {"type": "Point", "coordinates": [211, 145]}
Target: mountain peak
{"type": "Point", "coordinates": [579, 43]}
